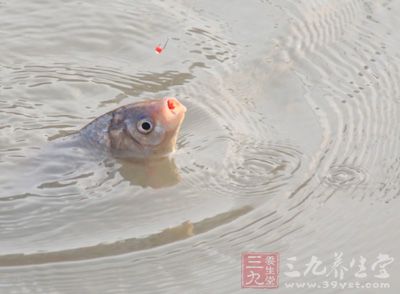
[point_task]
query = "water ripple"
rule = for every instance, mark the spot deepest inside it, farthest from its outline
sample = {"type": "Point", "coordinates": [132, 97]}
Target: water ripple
{"type": "Point", "coordinates": [255, 169]}
{"type": "Point", "coordinates": [345, 176]}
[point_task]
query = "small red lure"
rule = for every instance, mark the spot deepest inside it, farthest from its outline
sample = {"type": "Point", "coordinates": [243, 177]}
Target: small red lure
{"type": "Point", "coordinates": [160, 49]}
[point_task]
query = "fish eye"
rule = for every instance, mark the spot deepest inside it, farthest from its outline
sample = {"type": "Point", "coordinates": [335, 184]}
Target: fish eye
{"type": "Point", "coordinates": [144, 126]}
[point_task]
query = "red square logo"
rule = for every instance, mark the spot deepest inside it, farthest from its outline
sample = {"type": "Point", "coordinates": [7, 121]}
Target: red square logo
{"type": "Point", "coordinates": [260, 270]}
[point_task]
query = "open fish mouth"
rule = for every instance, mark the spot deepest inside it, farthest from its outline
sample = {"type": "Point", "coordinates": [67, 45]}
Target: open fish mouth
{"type": "Point", "coordinates": [173, 105]}
{"type": "Point", "coordinates": [173, 111]}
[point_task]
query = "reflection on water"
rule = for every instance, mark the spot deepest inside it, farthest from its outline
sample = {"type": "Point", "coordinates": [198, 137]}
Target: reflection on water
{"type": "Point", "coordinates": [154, 173]}
{"type": "Point", "coordinates": [290, 143]}
{"type": "Point", "coordinates": [169, 235]}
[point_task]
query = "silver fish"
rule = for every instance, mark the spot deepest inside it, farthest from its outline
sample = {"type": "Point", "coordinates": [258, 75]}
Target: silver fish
{"type": "Point", "coordinates": [138, 130]}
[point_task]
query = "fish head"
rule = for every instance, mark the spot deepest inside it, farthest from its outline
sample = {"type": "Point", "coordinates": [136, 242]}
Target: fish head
{"type": "Point", "coordinates": [146, 129]}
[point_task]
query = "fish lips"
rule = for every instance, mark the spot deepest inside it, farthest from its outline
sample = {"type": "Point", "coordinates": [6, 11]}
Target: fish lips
{"type": "Point", "coordinates": [173, 111]}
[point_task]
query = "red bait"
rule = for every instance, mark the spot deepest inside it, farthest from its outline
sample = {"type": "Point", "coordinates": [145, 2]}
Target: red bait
{"type": "Point", "coordinates": [160, 49]}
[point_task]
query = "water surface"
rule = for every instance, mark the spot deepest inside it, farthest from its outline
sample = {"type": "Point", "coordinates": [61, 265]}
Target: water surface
{"type": "Point", "coordinates": [290, 144]}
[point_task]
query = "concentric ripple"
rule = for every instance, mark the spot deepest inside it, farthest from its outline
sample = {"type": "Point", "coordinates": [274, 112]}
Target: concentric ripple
{"type": "Point", "coordinates": [290, 144]}
{"type": "Point", "coordinates": [255, 169]}
{"type": "Point", "coordinates": [345, 176]}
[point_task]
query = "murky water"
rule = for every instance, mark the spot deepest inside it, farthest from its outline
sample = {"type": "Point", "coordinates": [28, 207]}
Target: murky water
{"type": "Point", "coordinates": [290, 144]}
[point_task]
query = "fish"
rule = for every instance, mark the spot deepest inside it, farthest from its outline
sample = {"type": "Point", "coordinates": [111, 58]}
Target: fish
{"type": "Point", "coordinates": [136, 139]}
{"type": "Point", "coordinates": [141, 130]}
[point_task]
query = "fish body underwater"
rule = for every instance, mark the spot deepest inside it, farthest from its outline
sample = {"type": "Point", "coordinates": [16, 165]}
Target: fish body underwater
{"type": "Point", "coordinates": [138, 136]}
